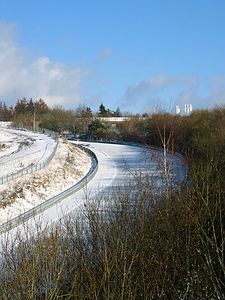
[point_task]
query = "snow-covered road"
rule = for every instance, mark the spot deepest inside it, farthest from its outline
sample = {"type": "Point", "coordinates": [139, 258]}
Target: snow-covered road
{"type": "Point", "coordinates": [117, 164]}
{"type": "Point", "coordinates": [19, 149]}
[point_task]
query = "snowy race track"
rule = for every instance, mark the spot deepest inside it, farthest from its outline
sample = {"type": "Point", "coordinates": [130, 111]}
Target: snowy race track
{"type": "Point", "coordinates": [117, 164]}
{"type": "Point", "coordinates": [23, 149]}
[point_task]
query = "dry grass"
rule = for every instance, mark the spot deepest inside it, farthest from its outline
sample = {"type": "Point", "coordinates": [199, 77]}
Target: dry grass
{"type": "Point", "coordinates": [138, 247]}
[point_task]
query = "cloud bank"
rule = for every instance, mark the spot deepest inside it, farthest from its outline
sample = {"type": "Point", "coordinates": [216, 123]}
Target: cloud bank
{"type": "Point", "coordinates": [23, 75]}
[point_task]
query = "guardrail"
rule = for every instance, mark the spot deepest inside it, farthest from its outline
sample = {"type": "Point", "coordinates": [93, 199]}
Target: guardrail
{"type": "Point", "coordinates": [33, 167]}
{"type": "Point", "coordinates": [32, 213]}
{"type": "Point", "coordinates": [51, 133]}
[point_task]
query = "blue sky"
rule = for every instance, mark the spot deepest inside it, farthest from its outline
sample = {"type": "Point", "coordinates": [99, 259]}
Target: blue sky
{"type": "Point", "coordinates": [139, 55]}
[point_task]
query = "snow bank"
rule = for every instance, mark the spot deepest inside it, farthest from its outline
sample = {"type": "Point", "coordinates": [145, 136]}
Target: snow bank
{"type": "Point", "coordinates": [67, 167]}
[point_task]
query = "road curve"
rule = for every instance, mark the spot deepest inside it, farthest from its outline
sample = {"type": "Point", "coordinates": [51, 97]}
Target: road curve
{"type": "Point", "coordinates": [117, 163]}
{"type": "Point", "coordinates": [32, 148]}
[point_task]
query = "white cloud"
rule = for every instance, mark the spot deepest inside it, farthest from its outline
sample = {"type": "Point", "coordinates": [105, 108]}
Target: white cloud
{"type": "Point", "coordinates": [106, 52]}
{"type": "Point", "coordinates": [23, 75]}
{"type": "Point", "coordinates": [103, 55]}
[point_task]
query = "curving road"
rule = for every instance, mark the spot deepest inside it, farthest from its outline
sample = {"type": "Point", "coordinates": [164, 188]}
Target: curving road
{"type": "Point", "coordinates": [117, 166]}
{"type": "Point", "coordinates": [28, 148]}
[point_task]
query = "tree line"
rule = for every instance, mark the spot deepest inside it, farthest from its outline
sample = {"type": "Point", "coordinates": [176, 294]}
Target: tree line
{"type": "Point", "coordinates": [30, 113]}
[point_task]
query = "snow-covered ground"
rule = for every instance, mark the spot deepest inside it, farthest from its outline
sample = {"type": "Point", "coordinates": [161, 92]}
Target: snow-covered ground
{"type": "Point", "coordinates": [19, 149]}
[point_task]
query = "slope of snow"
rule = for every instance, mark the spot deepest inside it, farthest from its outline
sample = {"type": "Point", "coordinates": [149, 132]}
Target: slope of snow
{"type": "Point", "coordinates": [20, 149]}
{"type": "Point", "coordinates": [8, 143]}
{"type": "Point", "coordinates": [67, 167]}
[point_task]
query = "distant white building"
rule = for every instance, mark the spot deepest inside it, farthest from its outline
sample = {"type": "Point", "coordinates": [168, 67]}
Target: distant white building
{"type": "Point", "coordinates": [184, 109]}
{"type": "Point", "coordinates": [187, 108]}
{"type": "Point", "coordinates": [114, 121]}
{"type": "Point", "coordinates": [177, 109]}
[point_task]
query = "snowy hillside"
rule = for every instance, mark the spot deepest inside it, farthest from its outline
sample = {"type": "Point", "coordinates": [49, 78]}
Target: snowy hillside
{"type": "Point", "coordinates": [67, 167]}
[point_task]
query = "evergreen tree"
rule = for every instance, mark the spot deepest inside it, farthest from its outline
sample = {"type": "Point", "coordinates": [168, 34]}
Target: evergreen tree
{"type": "Point", "coordinates": [103, 112]}
{"type": "Point", "coordinates": [117, 113]}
